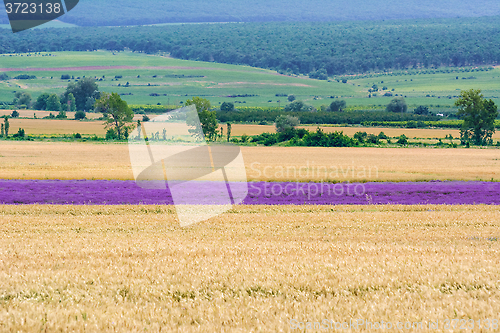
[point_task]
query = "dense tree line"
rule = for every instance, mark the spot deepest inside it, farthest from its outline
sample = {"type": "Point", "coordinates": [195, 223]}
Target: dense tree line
{"type": "Point", "coordinates": [129, 12]}
{"type": "Point", "coordinates": [306, 48]}
{"type": "Point", "coordinates": [352, 117]}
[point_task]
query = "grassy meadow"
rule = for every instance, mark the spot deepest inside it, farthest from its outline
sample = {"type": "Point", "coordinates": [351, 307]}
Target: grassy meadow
{"type": "Point", "coordinates": [178, 80]}
{"type": "Point", "coordinates": [75, 160]}
{"type": "Point", "coordinates": [254, 268]}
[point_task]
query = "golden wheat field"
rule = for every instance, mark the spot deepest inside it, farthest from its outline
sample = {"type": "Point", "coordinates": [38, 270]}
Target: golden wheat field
{"type": "Point", "coordinates": [252, 269]}
{"type": "Point", "coordinates": [49, 160]}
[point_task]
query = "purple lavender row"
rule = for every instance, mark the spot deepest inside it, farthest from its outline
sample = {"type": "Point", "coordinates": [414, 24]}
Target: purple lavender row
{"type": "Point", "coordinates": [115, 192]}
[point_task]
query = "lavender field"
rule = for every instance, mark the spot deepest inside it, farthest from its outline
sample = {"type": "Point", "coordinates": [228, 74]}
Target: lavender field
{"type": "Point", "coordinates": [115, 192]}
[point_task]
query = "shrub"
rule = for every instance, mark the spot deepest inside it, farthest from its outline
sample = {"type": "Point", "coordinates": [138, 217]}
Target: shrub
{"type": "Point", "coordinates": [372, 138]}
{"type": "Point", "coordinates": [402, 140]}
{"type": "Point", "coordinates": [20, 134]}
{"type": "Point", "coordinates": [14, 114]}
{"type": "Point", "coordinates": [397, 104]}
{"type": "Point", "coordinates": [111, 134]}
{"type": "Point", "coordinates": [284, 123]}
{"type": "Point", "coordinates": [65, 77]}
{"type": "Point", "coordinates": [360, 136]}
{"type": "Point", "coordinates": [77, 136]}
{"type": "Point", "coordinates": [79, 115]}
{"type": "Point", "coordinates": [145, 118]}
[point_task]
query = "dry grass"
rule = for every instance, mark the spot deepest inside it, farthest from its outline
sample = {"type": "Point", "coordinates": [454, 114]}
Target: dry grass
{"type": "Point", "coordinates": [41, 114]}
{"type": "Point", "coordinates": [50, 127]}
{"type": "Point", "coordinates": [423, 133]}
{"type": "Point", "coordinates": [131, 269]}
{"type": "Point", "coordinates": [48, 160]}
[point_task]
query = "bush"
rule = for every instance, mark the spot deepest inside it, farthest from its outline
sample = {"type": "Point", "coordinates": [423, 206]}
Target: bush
{"type": "Point", "coordinates": [360, 136]}
{"type": "Point", "coordinates": [397, 104]}
{"type": "Point", "coordinates": [372, 138]}
{"type": "Point", "coordinates": [284, 123]}
{"type": "Point", "coordinates": [145, 118]}
{"type": "Point", "coordinates": [65, 77]}
{"type": "Point", "coordinates": [382, 135]}
{"type": "Point", "coordinates": [402, 140]}
{"type": "Point", "coordinates": [20, 134]}
{"type": "Point", "coordinates": [422, 110]}
{"type": "Point", "coordinates": [79, 115]}
{"type": "Point", "coordinates": [111, 134]}
{"type": "Point", "coordinates": [77, 136]}
{"type": "Point", "coordinates": [14, 114]}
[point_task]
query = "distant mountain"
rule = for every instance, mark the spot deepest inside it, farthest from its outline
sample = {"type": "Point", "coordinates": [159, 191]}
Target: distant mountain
{"type": "Point", "coordinates": [133, 12]}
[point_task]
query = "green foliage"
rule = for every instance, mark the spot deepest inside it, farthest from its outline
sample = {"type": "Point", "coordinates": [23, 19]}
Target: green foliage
{"type": "Point", "coordinates": [402, 140]}
{"type": "Point", "coordinates": [338, 105]}
{"type": "Point", "coordinates": [307, 48]}
{"type": "Point", "coordinates": [85, 92]}
{"type": "Point", "coordinates": [6, 125]}
{"type": "Point", "coordinates": [80, 115]}
{"type": "Point", "coordinates": [41, 101]}
{"type": "Point", "coordinates": [208, 119]}
{"type": "Point", "coordinates": [478, 116]}
{"type": "Point", "coordinates": [397, 104]}
{"type": "Point", "coordinates": [227, 107]}
{"type": "Point", "coordinates": [53, 103]}
{"type": "Point", "coordinates": [368, 118]}
{"type": "Point", "coordinates": [286, 122]}
{"type": "Point", "coordinates": [421, 110]}
{"type": "Point", "coordinates": [61, 115]}
{"type": "Point", "coordinates": [21, 98]}
{"type": "Point", "coordinates": [291, 98]}
{"type": "Point", "coordinates": [71, 102]}
{"type": "Point", "coordinates": [228, 132]}
{"type": "Point", "coordinates": [360, 136]}
{"type": "Point", "coordinates": [20, 134]}
{"type": "Point", "coordinates": [14, 114]}
{"type": "Point", "coordinates": [298, 106]}
{"type": "Point", "coordinates": [118, 114]}
{"type": "Point", "coordinates": [145, 118]}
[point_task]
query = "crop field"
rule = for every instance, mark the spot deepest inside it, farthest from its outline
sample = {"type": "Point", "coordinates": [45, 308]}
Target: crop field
{"type": "Point", "coordinates": [49, 127]}
{"type": "Point", "coordinates": [49, 160]}
{"type": "Point", "coordinates": [174, 81]}
{"type": "Point", "coordinates": [254, 268]}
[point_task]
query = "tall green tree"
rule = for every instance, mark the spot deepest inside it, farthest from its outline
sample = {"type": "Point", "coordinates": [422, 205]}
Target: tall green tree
{"type": "Point", "coordinates": [397, 104]}
{"type": "Point", "coordinates": [6, 125]}
{"type": "Point", "coordinates": [41, 101]}
{"type": "Point", "coordinates": [71, 102]}
{"type": "Point", "coordinates": [208, 119]}
{"type": "Point", "coordinates": [21, 98]}
{"type": "Point", "coordinates": [118, 114]}
{"type": "Point", "coordinates": [478, 116]}
{"type": "Point", "coordinates": [338, 105]}
{"type": "Point", "coordinates": [85, 92]}
{"type": "Point", "coordinates": [285, 123]}
{"type": "Point", "coordinates": [53, 103]}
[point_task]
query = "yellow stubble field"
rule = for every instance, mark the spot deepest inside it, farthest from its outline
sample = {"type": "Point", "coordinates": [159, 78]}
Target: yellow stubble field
{"type": "Point", "coordinates": [50, 160]}
{"type": "Point", "coordinates": [252, 269]}
{"type": "Point", "coordinates": [68, 126]}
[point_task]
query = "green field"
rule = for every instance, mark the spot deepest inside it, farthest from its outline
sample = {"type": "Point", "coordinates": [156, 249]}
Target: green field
{"type": "Point", "coordinates": [178, 80]}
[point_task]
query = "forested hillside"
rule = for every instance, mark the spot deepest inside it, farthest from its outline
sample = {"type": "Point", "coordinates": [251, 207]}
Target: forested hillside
{"type": "Point", "coordinates": [129, 12]}
{"type": "Point", "coordinates": [317, 49]}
